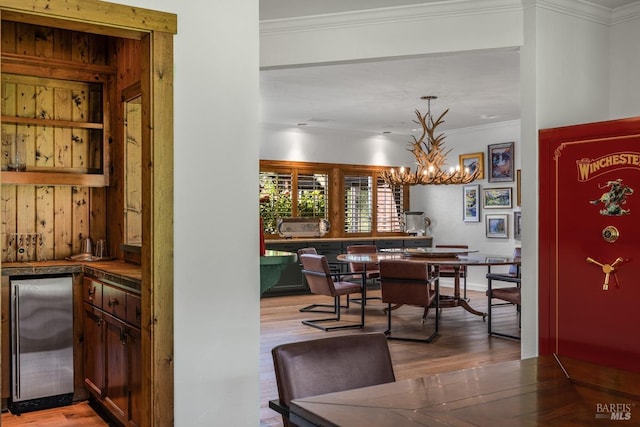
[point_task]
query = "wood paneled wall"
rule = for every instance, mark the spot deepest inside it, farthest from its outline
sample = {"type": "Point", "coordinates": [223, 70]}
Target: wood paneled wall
{"type": "Point", "coordinates": [65, 215]}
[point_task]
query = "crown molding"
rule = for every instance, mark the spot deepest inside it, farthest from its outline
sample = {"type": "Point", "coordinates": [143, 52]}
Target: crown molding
{"type": "Point", "coordinates": [577, 8]}
{"type": "Point", "coordinates": [627, 13]}
{"type": "Point", "coordinates": [425, 11]}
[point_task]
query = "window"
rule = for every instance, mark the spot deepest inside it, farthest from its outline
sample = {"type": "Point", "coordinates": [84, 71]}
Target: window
{"type": "Point", "coordinates": [389, 207]}
{"type": "Point", "coordinates": [358, 204]}
{"type": "Point", "coordinates": [363, 203]}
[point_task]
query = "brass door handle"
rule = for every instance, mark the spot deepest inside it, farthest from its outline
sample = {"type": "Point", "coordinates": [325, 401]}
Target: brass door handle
{"type": "Point", "coordinates": [607, 269]}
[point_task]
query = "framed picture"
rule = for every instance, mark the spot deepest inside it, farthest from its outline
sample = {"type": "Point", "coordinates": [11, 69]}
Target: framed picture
{"type": "Point", "coordinates": [517, 225]}
{"type": "Point", "coordinates": [497, 198]}
{"type": "Point", "coordinates": [497, 226]}
{"type": "Point", "coordinates": [518, 189]}
{"type": "Point", "coordinates": [471, 203]}
{"type": "Point", "coordinates": [500, 158]}
{"type": "Point", "coordinates": [473, 161]}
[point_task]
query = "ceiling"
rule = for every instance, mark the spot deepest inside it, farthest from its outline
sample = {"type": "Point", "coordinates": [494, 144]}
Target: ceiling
{"type": "Point", "coordinates": [478, 88]}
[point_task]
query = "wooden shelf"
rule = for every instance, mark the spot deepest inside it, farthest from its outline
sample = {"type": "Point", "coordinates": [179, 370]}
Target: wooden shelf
{"type": "Point", "coordinates": [54, 178]}
{"type": "Point", "coordinates": [50, 122]}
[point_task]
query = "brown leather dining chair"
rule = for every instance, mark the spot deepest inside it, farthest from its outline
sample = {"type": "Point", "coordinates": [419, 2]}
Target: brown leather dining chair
{"type": "Point", "coordinates": [328, 365]}
{"type": "Point", "coordinates": [409, 283]}
{"type": "Point", "coordinates": [318, 307]}
{"type": "Point", "coordinates": [449, 271]}
{"type": "Point", "coordinates": [508, 295]}
{"type": "Point", "coordinates": [370, 269]}
{"type": "Point", "coordinates": [323, 282]}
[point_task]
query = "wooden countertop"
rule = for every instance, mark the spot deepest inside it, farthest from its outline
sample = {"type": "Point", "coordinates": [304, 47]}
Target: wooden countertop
{"type": "Point", "coordinates": [116, 271]}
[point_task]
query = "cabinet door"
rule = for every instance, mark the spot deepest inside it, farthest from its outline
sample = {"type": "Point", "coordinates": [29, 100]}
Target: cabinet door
{"type": "Point", "coordinates": [117, 352]}
{"type": "Point", "coordinates": [135, 377]}
{"type": "Point", "coordinates": [93, 349]}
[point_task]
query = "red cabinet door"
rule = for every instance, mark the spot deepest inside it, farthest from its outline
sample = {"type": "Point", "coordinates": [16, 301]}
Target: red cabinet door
{"type": "Point", "coordinates": [590, 226]}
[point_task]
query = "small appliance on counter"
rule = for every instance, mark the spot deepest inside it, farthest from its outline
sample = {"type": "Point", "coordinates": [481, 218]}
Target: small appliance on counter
{"type": "Point", "coordinates": [416, 224]}
{"type": "Point", "coordinates": [302, 227]}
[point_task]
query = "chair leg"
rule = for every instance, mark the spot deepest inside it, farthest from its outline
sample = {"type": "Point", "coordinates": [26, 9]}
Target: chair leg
{"type": "Point", "coordinates": [315, 323]}
{"type": "Point", "coordinates": [490, 310]}
{"type": "Point", "coordinates": [427, 340]}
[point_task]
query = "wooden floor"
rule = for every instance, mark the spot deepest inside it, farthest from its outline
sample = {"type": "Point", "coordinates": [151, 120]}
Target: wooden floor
{"type": "Point", "coordinates": [76, 415]}
{"type": "Point", "coordinates": [462, 343]}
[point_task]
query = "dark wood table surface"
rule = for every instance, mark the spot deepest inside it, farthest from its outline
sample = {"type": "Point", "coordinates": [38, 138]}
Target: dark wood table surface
{"type": "Point", "coordinates": [544, 391]}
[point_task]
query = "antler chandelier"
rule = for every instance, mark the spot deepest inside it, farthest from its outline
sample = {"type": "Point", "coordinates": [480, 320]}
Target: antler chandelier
{"type": "Point", "coordinates": [431, 158]}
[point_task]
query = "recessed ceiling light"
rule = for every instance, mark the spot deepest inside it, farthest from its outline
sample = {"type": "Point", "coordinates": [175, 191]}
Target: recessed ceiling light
{"type": "Point", "coordinates": [302, 124]}
{"type": "Point", "coordinates": [386, 131]}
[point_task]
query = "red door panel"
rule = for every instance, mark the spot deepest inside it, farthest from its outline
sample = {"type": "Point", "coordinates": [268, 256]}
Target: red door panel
{"type": "Point", "coordinates": [589, 188]}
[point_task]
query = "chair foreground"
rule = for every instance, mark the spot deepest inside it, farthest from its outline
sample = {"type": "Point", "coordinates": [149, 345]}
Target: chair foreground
{"type": "Point", "coordinates": [328, 365]}
{"type": "Point", "coordinates": [409, 282]}
{"type": "Point", "coordinates": [510, 294]}
{"type": "Point", "coordinates": [321, 282]}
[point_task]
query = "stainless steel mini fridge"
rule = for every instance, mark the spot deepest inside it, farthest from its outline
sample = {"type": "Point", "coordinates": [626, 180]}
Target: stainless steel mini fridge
{"type": "Point", "coordinates": [41, 343]}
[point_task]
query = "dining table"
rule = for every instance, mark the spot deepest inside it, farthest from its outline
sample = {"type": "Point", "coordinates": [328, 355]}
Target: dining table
{"type": "Point", "coordinates": [456, 258]}
{"type": "Point", "coordinates": [548, 390]}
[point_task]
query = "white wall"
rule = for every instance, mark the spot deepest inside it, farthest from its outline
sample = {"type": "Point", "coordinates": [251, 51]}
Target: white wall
{"type": "Point", "coordinates": [216, 299]}
{"type": "Point", "coordinates": [625, 63]}
{"type": "Point", "coordinates": [309, 144]}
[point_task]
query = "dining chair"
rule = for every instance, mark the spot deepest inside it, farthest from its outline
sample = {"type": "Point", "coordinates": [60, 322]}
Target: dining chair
{"type": "Point", "coordinates": [323, 282]}
{"type": "Point", "coordinates": [321, 308]}
{"type": "Point", "coordinates": [327, 365]}
{"type": "Point", "coordinates": [409, 283]}
{"type": "Point", "coordinates": [508, 295]}
{"type": "Point", "coordinates": [371, 269]}
{"type": "Point", "coordinates": [449, 271]}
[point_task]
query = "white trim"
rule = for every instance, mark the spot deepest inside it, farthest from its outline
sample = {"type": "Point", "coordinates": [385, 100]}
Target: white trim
{"type": "Point", "coordinates": [577, 8]}
{"type": "Point", "coordinates": [437, 10]}
{"type": "Point", "coordinates": [627, 13]}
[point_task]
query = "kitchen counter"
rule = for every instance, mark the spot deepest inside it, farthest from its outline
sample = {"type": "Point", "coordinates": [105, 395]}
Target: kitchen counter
{"type": "Point", "coordinates": [118, 272]}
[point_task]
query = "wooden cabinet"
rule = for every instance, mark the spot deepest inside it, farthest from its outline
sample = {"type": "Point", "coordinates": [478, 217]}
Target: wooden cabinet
{"type": "Point", "coordinates": [112, 349]}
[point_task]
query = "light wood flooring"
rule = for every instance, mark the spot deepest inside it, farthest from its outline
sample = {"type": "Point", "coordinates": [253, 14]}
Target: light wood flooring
{"type": "Point", "coordinates": [462, 343]}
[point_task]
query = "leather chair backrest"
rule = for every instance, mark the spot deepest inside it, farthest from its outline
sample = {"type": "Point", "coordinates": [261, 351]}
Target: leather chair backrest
{"type": "Point", "coordinates": [356, 267]}
{"type": "Point", "coordinates": [405, 282]}
{"type": "Point", "coordinates": [308, 250]}
{"type": "Point", "coordinates": [448, 268]}
{"type": "Point", "coordinates": [319, 280]}
{"type": "Point", "coordinates": [328, 365]}
{"type": "Point", "coordinates": [513, 269]}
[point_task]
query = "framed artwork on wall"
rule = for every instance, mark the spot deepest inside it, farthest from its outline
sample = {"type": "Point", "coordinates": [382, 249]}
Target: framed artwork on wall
{"type": "Point", "coordinates": [496, 226]}
{"type": "Point", "coordinates": [518, 189]}
{"type": "Point", "coordinates": [517, 225]}
{"type": "Point", "coordinates": [471, 203]}
{"type": "Point", "coordinates": [500, 158]}
{"type": "Point", "coordinates": [497, 198]}
{"type": "Point", "coordinates": [472, 161]}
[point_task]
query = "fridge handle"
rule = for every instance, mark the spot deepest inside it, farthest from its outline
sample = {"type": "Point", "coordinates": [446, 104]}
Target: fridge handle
{"type": "Point", "coordinates": [16, 341]}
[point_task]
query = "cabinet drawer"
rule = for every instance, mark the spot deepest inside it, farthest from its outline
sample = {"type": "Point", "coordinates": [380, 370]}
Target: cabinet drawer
{"type": "Point", "coordinates": [134, 311]}
{"type": "Point", "coordinates": [114, 301]}
{"type": "Point", "coordinates": [92, 292]}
